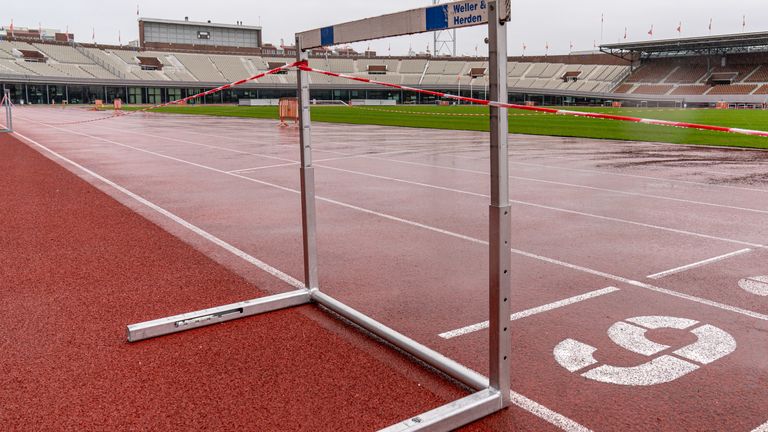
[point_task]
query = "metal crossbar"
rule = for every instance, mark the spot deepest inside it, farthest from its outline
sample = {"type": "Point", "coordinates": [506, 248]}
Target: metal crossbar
{"type": "Point", "coordinates": [493, 392]}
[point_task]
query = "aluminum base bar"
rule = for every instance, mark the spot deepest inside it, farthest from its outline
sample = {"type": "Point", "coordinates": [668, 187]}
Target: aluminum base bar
{"type": "Point", "coordinates": [193, 320]}
{"type": "Point", "coordinates": [431, 357]}
{"type": "Point", "coordinates": [453, 415]}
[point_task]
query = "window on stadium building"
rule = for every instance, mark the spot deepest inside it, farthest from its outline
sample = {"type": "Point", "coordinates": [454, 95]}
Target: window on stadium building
{"type": "Point", "coordinates": [154, 95]}
{"type": "Point", "coordinates": [134, 96]}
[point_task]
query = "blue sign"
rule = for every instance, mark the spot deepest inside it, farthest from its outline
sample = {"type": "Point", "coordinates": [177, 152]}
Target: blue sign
{"type": "Point", "coordinates": [326, 36]}
{"type": "Point", "coordinates": [458, 14]}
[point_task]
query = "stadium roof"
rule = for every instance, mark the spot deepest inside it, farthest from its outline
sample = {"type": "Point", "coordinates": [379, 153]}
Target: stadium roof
{"type": "Point", "coordinates": [722, 44]}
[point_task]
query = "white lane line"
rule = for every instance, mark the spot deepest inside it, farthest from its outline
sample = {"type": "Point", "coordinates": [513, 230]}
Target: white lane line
{"type": "Point", "coordinates": [646, 286]}
{"type": "Point", "coordinates": [762, 428]}
{"type": "Point", "coordinates": [545, 207]}
{"type": "Point", "coordinates": [698, 264]}
{"type": "Point", "coordinates": [571, 185]}
{"type": "Point", "coordinates": [290, 280]}
{"type": "Point", "coordinates": [548, 415]}
{"type": "Point", "coordinates": [247, 170]}
{"type": "Point", "coordinates": [377, 157]}
{"type": "Point", "coordinates": [530, 312]}
{"type": "Point", "coordinates": [446, 232]}
{"type": "Point", "coordinates": [263, 155]}
{"type": "Point", "coordinates": [518, 399]}
{"type": "Point", "coordinates": [594, 171]}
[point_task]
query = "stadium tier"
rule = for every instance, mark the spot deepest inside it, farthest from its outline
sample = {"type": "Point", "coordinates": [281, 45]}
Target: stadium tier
{"type": "Point", "coordinates": [49, 72]}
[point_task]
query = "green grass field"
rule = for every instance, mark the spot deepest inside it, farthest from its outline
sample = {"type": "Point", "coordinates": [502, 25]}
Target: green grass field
{"type": "Point", "coordinates": [529, 123]}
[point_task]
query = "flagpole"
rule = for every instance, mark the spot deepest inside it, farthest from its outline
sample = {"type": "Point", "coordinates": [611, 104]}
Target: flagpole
{"type": "Point", "coordinates": [602, 27]}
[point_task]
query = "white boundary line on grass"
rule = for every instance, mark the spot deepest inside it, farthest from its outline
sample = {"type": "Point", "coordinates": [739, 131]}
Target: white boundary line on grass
{"type": "Point", "coordinates": [692, 298]}
{"type": "Point", "coordinates": [698, 264]}
{"type": "Point", "coordinates": [518, 399]}
{"type": "Point", "coordinates": [531, 312]}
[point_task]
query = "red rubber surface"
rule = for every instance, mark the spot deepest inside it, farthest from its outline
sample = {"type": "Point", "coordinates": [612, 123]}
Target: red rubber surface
{"type": "Point", "coordinates": [588, 215]}
{"type": "Point", "coordinates": [77, 267]}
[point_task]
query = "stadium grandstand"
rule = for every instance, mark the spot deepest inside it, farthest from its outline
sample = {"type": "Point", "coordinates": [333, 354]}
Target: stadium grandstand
{"type": "Point", "coordinates": [175, 59]}
{"type": "Point", "coordinates": [698, 70]}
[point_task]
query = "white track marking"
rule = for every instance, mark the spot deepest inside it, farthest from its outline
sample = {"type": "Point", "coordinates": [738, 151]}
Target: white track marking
{"type": "Point", "coordinates": [574, 355]}
{"type": "Point", "coordinates": [446, 232]}
{"type": "Point", "coordinates": [571, 185]}
{"type": "Point", "coordinates": [632, 338]}
{"type": "Point", "coordinates": [197, 230]}
{"type": "Point", "coordinates": [643, 285]}
{"type": "Point", "coordinates": [713, 345]}
{"type": "Point", "coordinates": [263, 155]}
{"type": "Point", "coordinates": [698, 264]}
{"type": "Point", "coordinates": [247, 170]}
{"type": "Point", "coordinates": [518, 399]}
{"type": "Point", "coordinates": [183, 141]}
{"type": "Point", "coordinates": [546, 207]}
{"type": "Point", "coordinates": [519, 178]}
{"type": "Point", "coordinates": [586, 170]}
{"type": "Point", "coordinates": [762, 428]}
{"type": "Point", "coordinates": [531, 312]}
{"type": "Point", "coordinates": [659, 322]}
{"type": "Point", "coordinates": [660, 370]}
{"type": "Point", "coordinates": [547, 414]}
{"type": "Point", "coordinates": [757, 285]}
{"type": "Point", "coordinates": [594, 171]}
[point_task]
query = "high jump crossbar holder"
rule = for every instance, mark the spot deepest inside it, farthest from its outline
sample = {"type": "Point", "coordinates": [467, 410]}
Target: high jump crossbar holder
{"type": "Point", "coordinates": [492, 393]}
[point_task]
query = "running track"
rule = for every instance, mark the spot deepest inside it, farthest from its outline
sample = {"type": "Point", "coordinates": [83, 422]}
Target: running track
{"type": "Point", "coordinates": [603, 232]}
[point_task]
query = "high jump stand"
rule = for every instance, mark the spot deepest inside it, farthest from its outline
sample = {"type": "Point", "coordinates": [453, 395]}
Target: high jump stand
{"type": "Point", "coordinates": [493, 393]}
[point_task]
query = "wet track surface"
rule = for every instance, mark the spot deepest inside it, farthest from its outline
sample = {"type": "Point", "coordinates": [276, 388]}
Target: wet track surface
{"type": "Point", "coordinates": [673, 231]}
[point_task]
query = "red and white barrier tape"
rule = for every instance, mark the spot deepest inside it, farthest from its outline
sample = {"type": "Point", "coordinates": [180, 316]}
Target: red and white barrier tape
{"type": "Point", "coordinates": [306, 68]}
{"type": "Point", "coordinates": [189, 98]}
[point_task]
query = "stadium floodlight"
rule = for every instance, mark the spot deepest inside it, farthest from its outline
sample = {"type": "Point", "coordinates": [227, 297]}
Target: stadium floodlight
{"type": "Point", "coordinates": [493, 392]}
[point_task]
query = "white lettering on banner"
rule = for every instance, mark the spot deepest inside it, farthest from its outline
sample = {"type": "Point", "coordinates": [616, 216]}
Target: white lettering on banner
{"type": "Point", "coordinates": [712, 345]}
{"type": "Point", "coordinates": [467, 13]}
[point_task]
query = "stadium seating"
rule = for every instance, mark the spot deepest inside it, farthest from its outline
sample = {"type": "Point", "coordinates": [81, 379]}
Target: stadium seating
{"type": "Point", "coordinates": [687, 74]}
{"type": "Point", "coordinates": [741, 71]}
{"type": "Point", "coordinates": [651, 73]}
{"type": "Point", "coordinates": [670, 77]}
{"type": "Point", "coordinates": [413, 66]}
{"type": "Point", "coordinates": [653, 89]}
{"type": "Point", "coordinates": [63, 54]}
{"type": "Point", "coordinates": [763, 90]}
{"type": "Point", "coordinates": [12, 67]}
{"type": "Point", "coordinates": [737, 89]}
{"type": "Point", "coordinates": [690, 90]}
{"type": "Point", "coordinates": [759, 75]}
{"type": "Point", "coordinates": [233, 68]}
{"type": "Point", "coordinates": [201, 67]}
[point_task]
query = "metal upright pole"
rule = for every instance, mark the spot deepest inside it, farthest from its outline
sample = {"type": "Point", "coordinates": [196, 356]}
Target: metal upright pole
{"type": "Point", "coordinates": [8, 112]}
{"type": "Point", "coordinates": [308, 213]}
{"type": "Point", "coordinates": [500, 217]}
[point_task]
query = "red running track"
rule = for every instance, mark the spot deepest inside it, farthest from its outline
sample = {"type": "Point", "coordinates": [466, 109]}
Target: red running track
{"type": "Point", "coordinates": [588, 215]}
{"type": "Point", "coordinates": [78, 265]}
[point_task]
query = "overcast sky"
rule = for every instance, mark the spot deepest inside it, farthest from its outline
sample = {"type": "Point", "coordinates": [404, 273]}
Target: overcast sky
{"type": "Point", "coordinates": [535, 23]}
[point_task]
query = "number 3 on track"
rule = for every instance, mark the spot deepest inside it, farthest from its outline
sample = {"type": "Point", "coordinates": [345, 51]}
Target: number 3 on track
{"type": "Point", "coordinates": [713, 344]}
